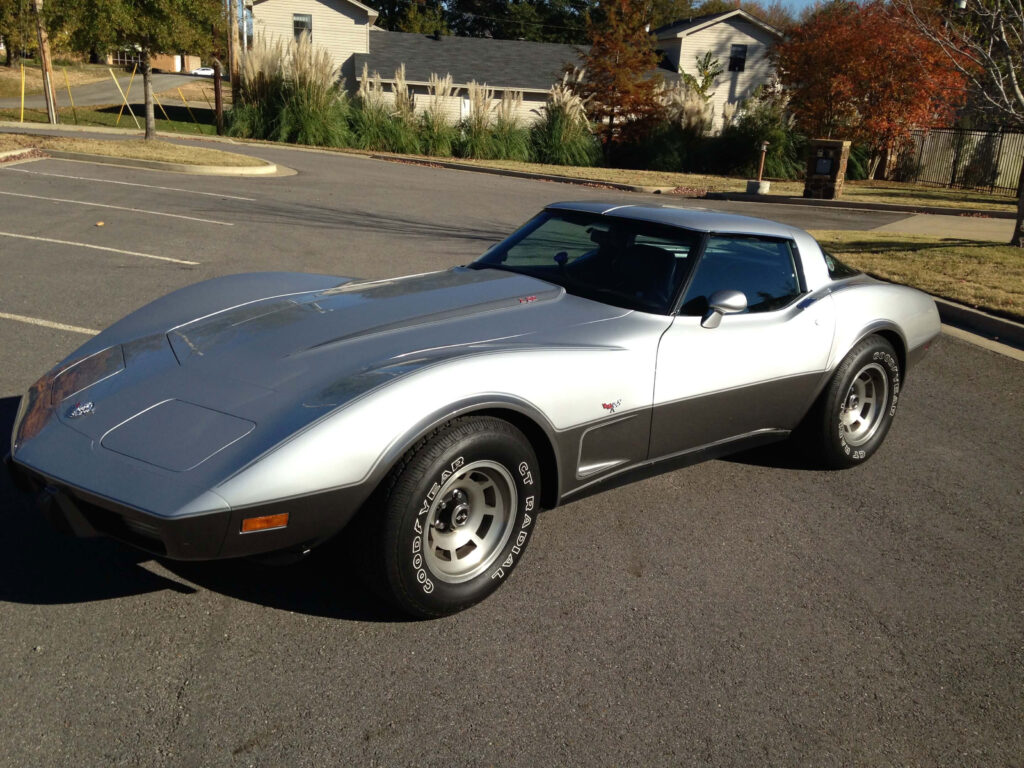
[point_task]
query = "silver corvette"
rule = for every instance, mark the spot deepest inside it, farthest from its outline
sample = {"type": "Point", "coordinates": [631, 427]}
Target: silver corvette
{"type": "Point", "coordinates": [439, 413]}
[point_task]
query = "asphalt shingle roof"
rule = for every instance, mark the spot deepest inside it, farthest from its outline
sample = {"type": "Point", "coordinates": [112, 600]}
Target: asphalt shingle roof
{"type": "Point", "coordinates": [499, 63]}
{"type": "Point", "coordinates": [680, 24]}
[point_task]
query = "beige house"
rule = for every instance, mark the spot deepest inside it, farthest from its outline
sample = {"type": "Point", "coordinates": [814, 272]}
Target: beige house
{"type": "Point", "coordinates": [346, 29]}
{"type": "Point", "coordinates": [740, 42]}
{"type": "Point", "coordinates": [341, 26]}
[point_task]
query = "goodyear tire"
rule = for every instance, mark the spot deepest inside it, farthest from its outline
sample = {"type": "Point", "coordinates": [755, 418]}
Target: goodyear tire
{"type": "Point", "coordinates": [458, 512]}
{"type": "Point", "coordinates": [856, 410]}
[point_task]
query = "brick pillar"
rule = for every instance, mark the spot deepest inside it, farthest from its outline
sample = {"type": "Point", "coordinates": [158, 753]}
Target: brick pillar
{"type": "Point", "coordinates": [826, 169]}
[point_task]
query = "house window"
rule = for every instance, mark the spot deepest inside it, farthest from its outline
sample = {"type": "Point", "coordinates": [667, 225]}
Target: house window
{"type": "Point", "coordinates": [303, 23]}
{"type": "Point", "coordinates": [737, 58]}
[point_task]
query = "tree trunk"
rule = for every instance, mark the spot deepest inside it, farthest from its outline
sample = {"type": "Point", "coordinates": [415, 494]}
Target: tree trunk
{"type": "Point", "coordinates": [147, 89]}
{"type": "Point", "coordinates": [218, 97]}
{"type": "Point", "coordinates": [1018, 228]}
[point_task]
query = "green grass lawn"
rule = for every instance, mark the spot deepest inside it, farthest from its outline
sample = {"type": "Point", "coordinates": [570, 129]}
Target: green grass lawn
{"type": "Point", "coordinates": [107, 116]}
{"type": "Point", "coordinates": [983, 275]}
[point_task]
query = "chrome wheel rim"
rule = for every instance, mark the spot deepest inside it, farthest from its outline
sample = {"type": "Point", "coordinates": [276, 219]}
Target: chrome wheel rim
{"type": "Point", "coordinates": [860, 413]}
{"type": "Point", "coordinates": [470, 521]}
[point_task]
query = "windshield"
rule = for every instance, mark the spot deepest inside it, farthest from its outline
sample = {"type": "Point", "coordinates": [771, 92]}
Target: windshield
{"type": "Point", "coordinates": [631, 264]}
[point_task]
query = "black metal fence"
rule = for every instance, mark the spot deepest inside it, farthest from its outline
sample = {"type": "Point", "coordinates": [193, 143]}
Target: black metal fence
{"type": "Point", "coordinates": [983, 160]}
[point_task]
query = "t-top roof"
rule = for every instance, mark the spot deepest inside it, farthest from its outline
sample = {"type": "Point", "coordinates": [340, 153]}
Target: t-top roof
{"type": "Point", "coordinates": [687, 218]}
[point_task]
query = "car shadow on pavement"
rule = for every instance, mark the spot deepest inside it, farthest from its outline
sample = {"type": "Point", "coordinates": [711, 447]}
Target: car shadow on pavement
{"type": "Point", "coordinates": [40, 566]}
{"type": "Point", "coordinates": [321, 584]}
{"type": "Point", "coordinates": [786, 454]}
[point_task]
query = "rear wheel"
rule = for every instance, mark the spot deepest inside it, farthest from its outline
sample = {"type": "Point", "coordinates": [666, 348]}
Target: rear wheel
{"type": "Point", "coordinates": [456, 516]}
{"type": "Point", "coordinates": [854, 413]}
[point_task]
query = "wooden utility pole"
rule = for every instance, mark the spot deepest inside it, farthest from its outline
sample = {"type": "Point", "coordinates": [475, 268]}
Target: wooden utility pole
{"type": "Point", "coordinates": [233, 50]}
{"type": "Point", "coordinates": [44, 59]}
{"type": "Point", "coordinates": [218, 97]}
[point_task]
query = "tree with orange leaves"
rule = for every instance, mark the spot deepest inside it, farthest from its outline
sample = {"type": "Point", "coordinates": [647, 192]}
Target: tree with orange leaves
{"type": "Point", "coordinates": [862, 73]}
{"type": "Point", "coordinates": [619, 86]}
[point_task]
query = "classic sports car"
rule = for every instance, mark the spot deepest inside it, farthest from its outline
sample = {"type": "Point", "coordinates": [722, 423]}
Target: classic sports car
{"type": "Point", "coordinates": [262, 412]}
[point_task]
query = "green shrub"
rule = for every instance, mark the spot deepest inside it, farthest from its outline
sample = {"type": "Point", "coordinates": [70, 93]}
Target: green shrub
{"type": "Point", "coordinates": [375, 128]}
{"type": "Point", "coordinates": [859, 163]}
{"type": "Point", "coordinates": [559, 139]}
{"type": "Point", "coordinates": [294, 97]}
{"type": "Point", "coordinates": [762, 118]}
{"type": "Point", "coordinates": [510, 141]}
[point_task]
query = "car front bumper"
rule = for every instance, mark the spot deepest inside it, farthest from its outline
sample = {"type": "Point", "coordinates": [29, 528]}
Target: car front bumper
{"type": "Point", "coordinates": [207, 536]}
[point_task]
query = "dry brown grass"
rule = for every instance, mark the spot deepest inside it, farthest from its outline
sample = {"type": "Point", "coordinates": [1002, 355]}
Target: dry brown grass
{"type": "Point", "coordinates": [77, 74]}
{"type": "Point", "coordinates": [133, 149]}
{"type": "Point", "coordinates": [984, 275]}
{"type": "Point", "coordinates": [698, 185]}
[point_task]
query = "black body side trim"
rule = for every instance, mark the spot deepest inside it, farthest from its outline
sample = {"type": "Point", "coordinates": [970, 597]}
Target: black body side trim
{"type": "Point", "coordinates": [659, 466]}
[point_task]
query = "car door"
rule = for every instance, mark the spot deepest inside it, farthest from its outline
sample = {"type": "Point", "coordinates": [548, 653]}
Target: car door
{"type": "Point", "coordinates": [758, 369]}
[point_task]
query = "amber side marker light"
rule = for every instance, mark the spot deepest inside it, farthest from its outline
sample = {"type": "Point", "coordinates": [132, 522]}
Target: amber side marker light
{"type": "Point", "coordinates": [264, 523]}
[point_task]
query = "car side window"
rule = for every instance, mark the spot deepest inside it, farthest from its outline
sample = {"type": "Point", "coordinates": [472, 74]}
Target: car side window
{"type": "Point", "coordinates": [764, 269]}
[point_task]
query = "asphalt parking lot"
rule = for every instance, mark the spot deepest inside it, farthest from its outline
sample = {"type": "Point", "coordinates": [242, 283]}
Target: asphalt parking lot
{"type": "Point", "coordinates": [741, 612]}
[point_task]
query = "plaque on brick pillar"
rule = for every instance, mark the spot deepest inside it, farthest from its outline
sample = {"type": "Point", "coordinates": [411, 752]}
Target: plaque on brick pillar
{"type": "Point", "coordinates": [826, 168]}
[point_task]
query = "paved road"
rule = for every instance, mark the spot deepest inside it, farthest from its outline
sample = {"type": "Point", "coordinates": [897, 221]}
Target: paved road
{"type": "Point", "coordinates": [102, 91]}
{"type": "Point", "coordinates": [744, 612]}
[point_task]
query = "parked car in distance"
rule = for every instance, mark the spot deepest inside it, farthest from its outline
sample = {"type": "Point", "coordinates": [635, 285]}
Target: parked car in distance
{"type": "Point", "coordinates": [435, 415]}
{"type": "Point", "coordinates": [203, 72]}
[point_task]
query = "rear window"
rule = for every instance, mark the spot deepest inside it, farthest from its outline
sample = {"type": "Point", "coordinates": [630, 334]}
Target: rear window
{"type": "Point", "coordinates": [836, 269]}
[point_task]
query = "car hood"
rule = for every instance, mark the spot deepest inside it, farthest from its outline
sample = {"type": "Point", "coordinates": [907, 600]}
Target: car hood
{"type": "Point", "coordinates": [358, 324]}
{"type": "Point", "coordinates": [264, 368]}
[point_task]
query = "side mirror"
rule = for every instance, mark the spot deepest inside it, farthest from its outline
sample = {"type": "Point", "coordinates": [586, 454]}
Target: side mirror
{"type": "Point", "coordinates": [723, 303]}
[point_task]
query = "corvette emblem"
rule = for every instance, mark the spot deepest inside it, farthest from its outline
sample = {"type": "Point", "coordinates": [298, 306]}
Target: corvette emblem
{"type": "Point", "coordinates": [610, 407]}
{"type": "Point", "coordinates": [81, 409]}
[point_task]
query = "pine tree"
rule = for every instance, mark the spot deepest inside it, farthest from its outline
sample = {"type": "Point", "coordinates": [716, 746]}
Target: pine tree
{"type": "Point", "coordinates": [619, 84]}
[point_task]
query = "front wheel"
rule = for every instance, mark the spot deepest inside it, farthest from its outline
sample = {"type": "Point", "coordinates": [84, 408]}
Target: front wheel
{"type": "Point", "coordinates": [854, 413]}
{"type": "Point", "coordinates": [457, 515]}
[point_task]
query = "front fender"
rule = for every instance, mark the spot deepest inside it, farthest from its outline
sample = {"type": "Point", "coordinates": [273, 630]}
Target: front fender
{"type": "Point", "coordinates": [357, 443]}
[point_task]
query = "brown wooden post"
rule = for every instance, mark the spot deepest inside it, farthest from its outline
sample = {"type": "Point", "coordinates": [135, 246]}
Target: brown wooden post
{"type": "Point", "coordinates": [218, 97]}
{"type": "Point", "coordinates": [44, 59]}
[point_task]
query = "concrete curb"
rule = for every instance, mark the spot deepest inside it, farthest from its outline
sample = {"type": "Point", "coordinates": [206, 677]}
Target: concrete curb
{"type": "Point", "coordinates": [456, 166]}
{"type": "Point", "coordinates": [934, 210]}
{"type": "Point", "coordinates": [268, 169]}
{"type": "Point", "coordinates": [436, 162]}
{"type": "Point", "coordinates": [1003, 330]}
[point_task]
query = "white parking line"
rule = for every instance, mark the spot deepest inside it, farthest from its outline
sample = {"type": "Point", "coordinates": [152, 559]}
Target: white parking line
{"type": "Point", "coordinates": [128, 183]}
{"type": "Point", "coordinates": [99, 248]}
{"type": "Point", "coordinates": [48, 324]}
{"type": "Point", "coordinates": [119, 208]}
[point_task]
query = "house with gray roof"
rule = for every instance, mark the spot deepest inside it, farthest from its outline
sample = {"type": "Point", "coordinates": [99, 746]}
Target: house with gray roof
{"type": "Point", "coordinates": [347, 29]}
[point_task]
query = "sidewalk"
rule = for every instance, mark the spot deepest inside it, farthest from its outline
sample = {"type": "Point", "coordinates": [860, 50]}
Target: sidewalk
{"type": "Point", "coordinates": [945, 225]}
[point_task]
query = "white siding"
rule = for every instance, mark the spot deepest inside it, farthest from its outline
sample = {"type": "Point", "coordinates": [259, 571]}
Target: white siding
{"type": "Point", "coordinates": [454, 108]}
{"type": "Point", "coordinates": [730, 87]}
{"type": "Point", "coordinates": [671, 46]}
{"type": "Point", "coordinates": [340, 27]}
